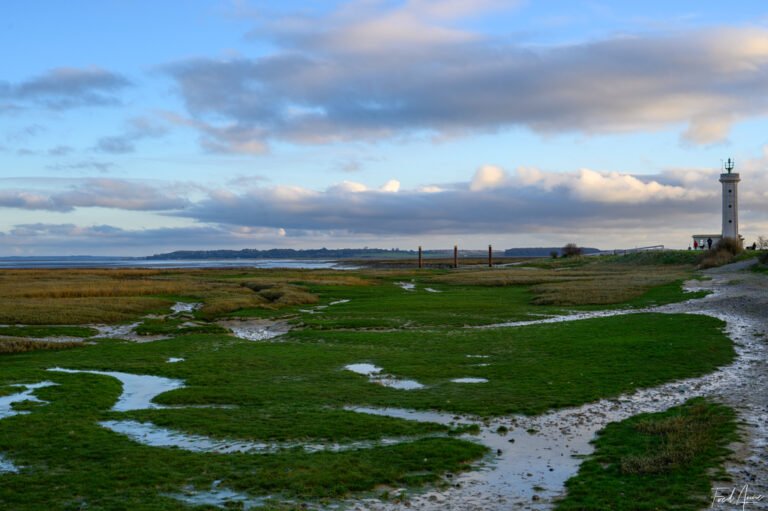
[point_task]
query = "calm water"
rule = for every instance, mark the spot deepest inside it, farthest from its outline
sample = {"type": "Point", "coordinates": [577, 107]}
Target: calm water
{"type": "Point", "coordinates": [114, 262]}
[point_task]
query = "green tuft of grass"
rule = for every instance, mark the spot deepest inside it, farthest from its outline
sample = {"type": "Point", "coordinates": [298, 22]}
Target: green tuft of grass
{"type": "Point", "coordinates": [663, 460]}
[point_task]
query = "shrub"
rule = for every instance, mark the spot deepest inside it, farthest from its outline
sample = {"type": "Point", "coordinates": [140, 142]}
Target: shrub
{"type": "Point", "coordinates": [571, 250]}
{"type": "Point", "coordinates": [714, 258]}
{"type": "Point", "coordinates": [730, 245]}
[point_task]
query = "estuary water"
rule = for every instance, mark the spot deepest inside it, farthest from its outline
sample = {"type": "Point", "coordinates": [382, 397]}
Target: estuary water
{"type": "Point", "coordinates": [129, 262]}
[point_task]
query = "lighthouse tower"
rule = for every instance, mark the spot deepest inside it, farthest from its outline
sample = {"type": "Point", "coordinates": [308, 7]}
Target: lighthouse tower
{"type": "Point", "coordinates": [730, 202]}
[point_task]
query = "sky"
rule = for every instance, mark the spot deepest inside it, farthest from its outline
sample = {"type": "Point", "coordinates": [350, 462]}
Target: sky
{"type": "Point", "coordinates": [141, 127]}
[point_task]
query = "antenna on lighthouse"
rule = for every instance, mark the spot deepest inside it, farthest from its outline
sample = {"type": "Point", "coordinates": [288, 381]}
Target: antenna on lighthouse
{"type": "Point", "coordinates": [729, 165]}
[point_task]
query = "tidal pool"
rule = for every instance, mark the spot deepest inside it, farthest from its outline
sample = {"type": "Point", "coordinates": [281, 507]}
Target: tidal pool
{"type": "Point", "coordinates": [28, 394]}
{"type": "Point", "coordinates": [375, 375]}
{"type": "Point", "coordinates": [138, 389]}
{"type": "Point", "coordinates": [7, 466]}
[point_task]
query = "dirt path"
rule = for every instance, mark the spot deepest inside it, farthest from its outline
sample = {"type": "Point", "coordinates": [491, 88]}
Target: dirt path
{"type": "Point", "coordinates": [527, 471]}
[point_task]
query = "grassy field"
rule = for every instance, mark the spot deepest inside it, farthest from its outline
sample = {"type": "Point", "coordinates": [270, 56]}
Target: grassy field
{"type": "Point", "coordinates": [655, 461]}
{"type": "Point", "coordinates": [295, 390]}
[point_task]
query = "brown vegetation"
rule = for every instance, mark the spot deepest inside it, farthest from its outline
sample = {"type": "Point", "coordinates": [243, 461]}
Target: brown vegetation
{"type": "Point", "coordinates": [69, 297]}
{"type": "Point", "coordinates": [681, 438]}
{"type": "Point", "coordinates": [590, 284]}
{"type": "Point", "coordinates": [21, 345]}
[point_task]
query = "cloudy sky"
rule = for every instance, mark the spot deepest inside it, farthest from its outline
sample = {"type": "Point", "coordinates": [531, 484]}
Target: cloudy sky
{"type": "Point", "coordinates": [138, 127]}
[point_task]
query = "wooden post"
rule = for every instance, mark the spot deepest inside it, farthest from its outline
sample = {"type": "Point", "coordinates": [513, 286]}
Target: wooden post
{"type": "Point", "coordinates": [455, 256]}
{"type": "Point", "coordinates": [490, 256]}
{"type": "Point", "coordinates": [420, 260]}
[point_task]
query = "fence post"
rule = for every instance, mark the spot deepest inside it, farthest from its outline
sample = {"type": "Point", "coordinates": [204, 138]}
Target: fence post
{"type": "Point", "coordinates": [455, 256]}
{"type": "Point", "coordinates": [420, 260]}
{"type": "Point", "coordinates": [490, 256]}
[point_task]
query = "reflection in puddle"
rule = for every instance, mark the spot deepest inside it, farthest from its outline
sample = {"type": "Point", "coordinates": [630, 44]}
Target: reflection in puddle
{"type": "Point", "coordinates": [7, 410]}
{"type": "Point", "coordinates": [430, 290]}
{"type": "Point", "coordinates": [138, 389]}
{"type": "Point", "coordinates": [180, 307]}
{"type": "Point", "coordinates": [256, 329]}
{"type": "Point", "coordinates": [152, 435]}
{"type": "Point", "coordinates": [28, 394]}
{"type": "Point", "coordinates": [7, 466]}
{"type": "Point", "coordinates": [408, 286]}
{"type": "Point", "coordinates": [218, 497]}
{"type": "Point", "coordinates": [173, 360]}
{"type": "Point", "coordinates": [469, 380]}
{"type": "Point", "coordinates": [387, 380]}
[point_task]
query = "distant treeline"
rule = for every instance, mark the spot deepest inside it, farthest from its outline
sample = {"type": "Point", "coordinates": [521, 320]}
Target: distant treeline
{"type": "Point", "coordinates": [543, 251]}
{"type": "Point", "coordinates": [286, 253]}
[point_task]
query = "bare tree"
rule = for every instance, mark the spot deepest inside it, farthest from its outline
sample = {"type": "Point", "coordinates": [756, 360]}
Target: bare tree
{"type": "Point", "coordinates": [762, 242]}
{"type": "Point", "coordinates": [571, 250]}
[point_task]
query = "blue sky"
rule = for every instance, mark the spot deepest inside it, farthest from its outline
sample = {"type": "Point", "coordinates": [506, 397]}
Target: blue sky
{"type": "Point", "coordinates": [130, 127]}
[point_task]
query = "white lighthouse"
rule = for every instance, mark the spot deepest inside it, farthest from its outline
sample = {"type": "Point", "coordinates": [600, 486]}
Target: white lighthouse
{"type": "Point", "coordinates": [730, 183]}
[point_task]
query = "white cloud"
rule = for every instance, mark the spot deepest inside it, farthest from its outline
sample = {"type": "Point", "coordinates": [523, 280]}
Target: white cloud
{"type": "Point", "coordinates": [376, 70]}
{"type": "Point", "coordinates": [486, 177]}
{"type": "Point", "coordinates": [391, 186]}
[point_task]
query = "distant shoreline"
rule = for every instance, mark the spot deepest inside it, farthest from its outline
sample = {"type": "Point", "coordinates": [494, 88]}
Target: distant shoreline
{"type": "Point", "coordinates": [82, 262]}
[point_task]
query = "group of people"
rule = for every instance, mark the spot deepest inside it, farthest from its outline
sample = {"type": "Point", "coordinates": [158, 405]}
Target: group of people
{"type": "Point", "coordinates": [702, 245]}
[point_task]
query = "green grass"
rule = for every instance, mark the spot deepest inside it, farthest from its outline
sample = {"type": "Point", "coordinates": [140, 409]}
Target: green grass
{"type": "Point", "coordinates": [535, 368]}
{"type": "Point", "coordinates": [174, 326]}
{"type": "Point", "coordinates": [387, 305]}
{"type": "Point", "coordinates": [655, 461]}
{"type": "Point", "coordinates": [656, 257]}
{"type": "Point", "coordinates": [295, 390]}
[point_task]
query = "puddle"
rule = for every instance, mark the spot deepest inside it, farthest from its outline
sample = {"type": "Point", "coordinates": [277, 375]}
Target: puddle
{"type": "Point", "coordinates": [125, 332]}
{"type": "Point", "coordinates": [430, 290]}
{"type": "Point", "coordinates": [256, 329]}
{"type": "Point", "coordinates": [181, 307]}
{"type": "Point", "coordinates": [478, 356]}
{"type": "Point", "coordinates": [152, 435]}
{"type": "Point", "coordinates": [138, 389]}
{"type": "Point", "coordinates": [28, 394]}
{"type": "Point", "coordinates": [219, 497]}
{"type": "Point", "coordinates": [318, 309]}
{"type": "Point", "coordinates": [470, 380]}
{"type": "Point", "coordinates": [173, 360]}
{"type": "Point", "coordinates": [567, 317]}
{"type": "Point", "coordinates": [375, 375]}
{"type": "Point", "coordinates": [7, 466]}
{"type": "Point", "coordinates": [408, 286]}
{"type": "Point", "coordinates": [128, 331]}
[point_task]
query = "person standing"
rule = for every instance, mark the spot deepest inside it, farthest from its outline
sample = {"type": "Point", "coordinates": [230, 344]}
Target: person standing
{"type": "Point", "coordinates": [709, 243]}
